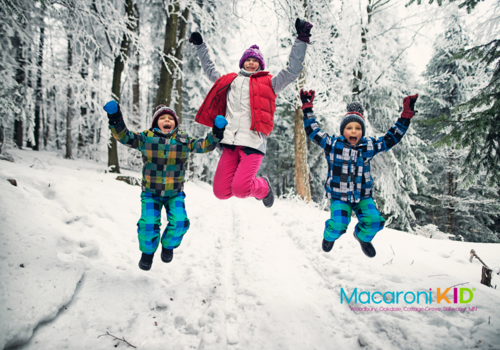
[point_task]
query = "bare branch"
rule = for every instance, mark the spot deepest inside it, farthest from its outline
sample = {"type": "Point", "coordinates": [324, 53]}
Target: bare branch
{"type": "Point", "coordinates": [115, 338]}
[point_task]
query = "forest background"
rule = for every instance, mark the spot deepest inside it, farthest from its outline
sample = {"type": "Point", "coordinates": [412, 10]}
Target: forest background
{"type": "Point", "coordinates": [61, 61]}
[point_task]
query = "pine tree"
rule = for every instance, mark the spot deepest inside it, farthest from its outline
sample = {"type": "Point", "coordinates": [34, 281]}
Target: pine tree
{"type": "Point", "coordinates": [465, 213]}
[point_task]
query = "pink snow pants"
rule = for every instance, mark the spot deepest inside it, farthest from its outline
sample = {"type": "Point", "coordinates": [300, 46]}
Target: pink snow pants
{"type": "Point", "coordinates": [235, 175]}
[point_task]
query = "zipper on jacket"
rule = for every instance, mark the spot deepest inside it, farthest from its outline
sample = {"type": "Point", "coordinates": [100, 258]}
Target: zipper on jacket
{"type": "Point", "coordinates": [222, 88]}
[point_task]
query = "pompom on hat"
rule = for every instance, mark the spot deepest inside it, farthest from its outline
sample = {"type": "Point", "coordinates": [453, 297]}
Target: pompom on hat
{"type": "Point", "coordinates": [161, 110]}
{"type": "Point", "coordinates": [354, 114]}
{"type": "Point", "coordinates": [253, 52]}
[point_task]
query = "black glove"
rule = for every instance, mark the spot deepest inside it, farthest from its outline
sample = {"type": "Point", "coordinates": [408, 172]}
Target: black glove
{"type": "Point", "coordinates": [303, 30]}
{"type": "Point", "coordinates": [112, 109]}
{"type": "Point", "coordinates": [307, 98]}
{"type": "Point", "coordinates": [219, 133]}
{"type": "Point", "coordinates": [196, 38]}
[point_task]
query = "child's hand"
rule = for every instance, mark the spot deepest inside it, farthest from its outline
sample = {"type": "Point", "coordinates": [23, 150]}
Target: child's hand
{"type": "Point", "coordinates": [196, 38]}
{"type": "Point", "coordinates": [307, 98]}
{"type": "Point", "coordinates": [219, 126]}
{"type": "Point", "coordinates": [111, 107]}
{"type": "Point", "coordinates": [409, 106]}
{"type": "Point", "coordinates": [303, 30]}
{"type": "Point", "coordinates": [220, 122]}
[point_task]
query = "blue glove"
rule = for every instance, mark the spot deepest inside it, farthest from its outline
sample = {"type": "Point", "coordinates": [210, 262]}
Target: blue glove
{"type": "Point", "coordinates": [220, 122]}
{"type": "Point", "coordinates": [219, 125]}
{"type": "Point", "coordinates": [111, 107]}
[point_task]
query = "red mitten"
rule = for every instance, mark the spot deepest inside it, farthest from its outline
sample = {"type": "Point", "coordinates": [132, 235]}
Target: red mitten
{"type": "Point", "coordinates": [307, 98]}
{"type": "Point", "coordinates": [408, 106]}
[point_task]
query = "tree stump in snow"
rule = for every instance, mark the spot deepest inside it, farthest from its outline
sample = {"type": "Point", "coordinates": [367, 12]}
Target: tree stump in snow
{"type": "Point", "coordinates": [486, 276]}
{"type": "Point", "coordinates": [485, 272]}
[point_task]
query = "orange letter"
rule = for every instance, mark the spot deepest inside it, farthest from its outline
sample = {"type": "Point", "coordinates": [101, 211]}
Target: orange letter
{"type": "Point", "coordinates": [443, 296]}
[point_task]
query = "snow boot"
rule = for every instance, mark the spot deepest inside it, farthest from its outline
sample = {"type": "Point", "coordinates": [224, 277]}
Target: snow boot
{"type": "Point", "coordinates": [366, 247]}
{"type": "Point", "coordinates": [146, 261]}
{"type": "Point", "coordinates": [269, 199]}
{"type": "Point", "coordinates": [167, 255]}
{"type": "Point", "coordinates": [327, 245]}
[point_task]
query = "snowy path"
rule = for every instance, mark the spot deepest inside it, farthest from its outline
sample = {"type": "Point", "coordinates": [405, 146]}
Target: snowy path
{"type": "Point", "coordinates": [245, 277]}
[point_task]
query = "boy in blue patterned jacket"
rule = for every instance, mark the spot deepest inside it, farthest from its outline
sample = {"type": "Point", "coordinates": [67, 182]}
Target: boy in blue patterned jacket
{"type": "Point", "coordinates": [350, 185]}
{"type": "Point", "coordinates": [165, 150]}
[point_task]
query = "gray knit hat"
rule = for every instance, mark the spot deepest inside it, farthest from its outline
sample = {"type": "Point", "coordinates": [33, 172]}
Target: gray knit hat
{"type": "Point", "coordinates": [354, 114]}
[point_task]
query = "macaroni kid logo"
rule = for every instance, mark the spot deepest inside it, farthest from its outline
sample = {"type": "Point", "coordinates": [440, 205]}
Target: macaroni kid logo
{"type": "Point", "coordinates": [442, 297]}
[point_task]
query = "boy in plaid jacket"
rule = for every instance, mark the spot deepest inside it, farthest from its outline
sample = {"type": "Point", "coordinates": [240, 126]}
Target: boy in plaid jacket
{"type": "Point", "coordinates": [165, 150]}
{"type": "Point", "coordinates": [350, 185]}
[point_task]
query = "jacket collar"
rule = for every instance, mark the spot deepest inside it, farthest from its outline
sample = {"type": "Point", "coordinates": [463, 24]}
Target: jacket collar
{"type": "Point", "coordinates": [158, 132]}
{"type": "Point", "coordinates": [362, 142]}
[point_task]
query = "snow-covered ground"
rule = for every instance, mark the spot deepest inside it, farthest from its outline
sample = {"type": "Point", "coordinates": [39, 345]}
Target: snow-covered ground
{"type": "Point", "coordinates": [245, 277]}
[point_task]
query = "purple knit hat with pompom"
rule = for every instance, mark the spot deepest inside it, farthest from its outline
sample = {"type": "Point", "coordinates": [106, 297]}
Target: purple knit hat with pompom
{"type": "Point", "coordinates": [253, 52]}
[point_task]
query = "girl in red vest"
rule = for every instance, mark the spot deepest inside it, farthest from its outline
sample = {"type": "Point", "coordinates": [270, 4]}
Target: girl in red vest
{"type": "Point", "coordinates": [247, 100]}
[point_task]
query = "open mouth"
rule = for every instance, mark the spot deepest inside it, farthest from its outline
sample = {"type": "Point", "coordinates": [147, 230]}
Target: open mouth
{"type": "Point", "coordinates": [167, 128]}
{"type": "Point", "coordinates": [353, 139]}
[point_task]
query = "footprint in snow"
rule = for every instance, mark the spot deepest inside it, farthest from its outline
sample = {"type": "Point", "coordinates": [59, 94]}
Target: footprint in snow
{"type": "Point", "coordinates": [70, 250]}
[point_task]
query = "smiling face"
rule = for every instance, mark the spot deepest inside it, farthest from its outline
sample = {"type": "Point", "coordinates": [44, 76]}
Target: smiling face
{"type": "Point", "coordinates": [251, 64]}
{"type": "Point", "coordinates": [353, 132]}
{"type": "Point", "coordinates": [166, 123]}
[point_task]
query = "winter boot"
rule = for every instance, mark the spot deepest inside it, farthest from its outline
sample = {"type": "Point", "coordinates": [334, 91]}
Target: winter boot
{"type": "Point", "coordinates": [366, 247]}
{"type": "Point", "coordinates": [167, 255]}
{"type": "Point", "coordinates": [327, 245]}
{"type": "Point", "coordinates": [269, 199]}
{"type": "Point", "coordinates": [146, 261]}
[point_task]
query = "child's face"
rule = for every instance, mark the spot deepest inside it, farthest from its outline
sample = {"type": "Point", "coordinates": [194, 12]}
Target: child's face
{"type": "Point", "coordinates": [353, 132]}
{"type": "Point", "coordinates": [166, 123]}
{"type": "Point", "coordinates": [251, 64]}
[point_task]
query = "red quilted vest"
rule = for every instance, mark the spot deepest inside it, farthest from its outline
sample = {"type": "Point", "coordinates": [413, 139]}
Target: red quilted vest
{"type": "Point", "coordinates": [262, 102]}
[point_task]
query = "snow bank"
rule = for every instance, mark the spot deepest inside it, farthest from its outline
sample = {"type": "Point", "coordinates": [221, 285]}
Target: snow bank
{"type": "Point", "coordinates": [245, 277]}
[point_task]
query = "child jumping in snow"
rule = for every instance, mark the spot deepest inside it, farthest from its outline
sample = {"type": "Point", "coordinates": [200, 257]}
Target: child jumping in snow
{"type": "Point", "coordinates": [349, 185]}
{"type": "Point", "coordinates": [165, 150]}
{"type": "Point", "coordinates": [248, 100]}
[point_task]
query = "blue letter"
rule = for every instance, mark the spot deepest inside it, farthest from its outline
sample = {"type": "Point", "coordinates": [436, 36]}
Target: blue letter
{"type": "Point", "coordinates": [354, 294]}
{"type": "Point", "coordinates": [374, 299]}
{"type": "Point", "coordinates": [367, 299]}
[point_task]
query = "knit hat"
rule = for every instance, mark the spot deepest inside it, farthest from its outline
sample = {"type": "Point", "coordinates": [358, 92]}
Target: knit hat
{"type": "Point", "coordinates": [354, 114]}
{"type": "Point", "coordinates": [161, 110]}
{"type": "Point", "coordinates": [253, 52]}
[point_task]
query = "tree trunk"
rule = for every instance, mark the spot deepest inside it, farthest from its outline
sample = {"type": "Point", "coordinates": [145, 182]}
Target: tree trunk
{"type": "Point", "coordinates": [84, 126]}
{"type": "Point", "coordinates": [301, 167]}
{"type": "Point", "coordinates": [69, 111]}
{"type": "Point", "coordinates": [358, 72]}
{"type": "Point", "coordinates": [21, 80]}
{"type": "Point", "coordinates": [178, 55]}
{"type": "Point", "coordinates": [135, 78]}
{"type": "Point", "coordinates": [165, 85]}
{"type": "Point", "coordinates": [451, 193]}
{"type": "Point", "coordinates": [113, 163]}
{"type": "Point", "coordinates": [38, 94]}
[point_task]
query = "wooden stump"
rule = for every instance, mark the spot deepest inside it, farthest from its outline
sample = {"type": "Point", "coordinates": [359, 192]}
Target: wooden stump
{"type": "Point", "coordinates": [486, 276]}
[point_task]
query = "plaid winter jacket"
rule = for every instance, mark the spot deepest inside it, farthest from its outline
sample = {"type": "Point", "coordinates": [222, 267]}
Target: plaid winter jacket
{"type": "Point", "coordinates": [349, 177]}
{"type": "Point", "coordinates": [163, 155]}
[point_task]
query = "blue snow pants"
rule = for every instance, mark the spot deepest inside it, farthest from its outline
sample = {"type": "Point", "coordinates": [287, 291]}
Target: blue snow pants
{"type": "Point", "coordinates": [148, 227]}
{"type": "Point", "coordinates": [369, 219]}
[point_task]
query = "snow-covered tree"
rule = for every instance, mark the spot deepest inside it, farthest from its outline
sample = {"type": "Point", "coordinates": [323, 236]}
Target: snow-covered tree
{"type": "Point", "coordinates": [466, 212]}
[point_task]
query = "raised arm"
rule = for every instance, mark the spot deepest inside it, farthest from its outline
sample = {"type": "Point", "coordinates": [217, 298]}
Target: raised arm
{"type": "Point", "coordinates": [208, 144]}
{"type": "Point", "coordinates": [206, 62]}
{"type": "Point", "coordinates": [297, 56]}
{"type": "Point", "coordinates": [311, 126]}
{"type": "Point", "coordinates": [396, 133]}
{"type": "Point", "coordinates": [119, 129]}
